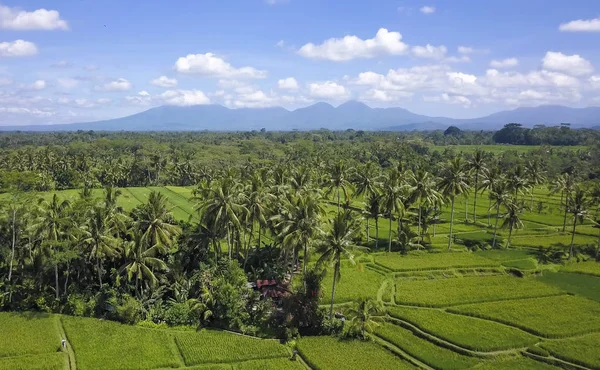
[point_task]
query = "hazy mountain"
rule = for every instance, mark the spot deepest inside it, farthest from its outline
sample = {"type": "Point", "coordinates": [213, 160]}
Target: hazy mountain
{"type": "Point", "coordinates": [351, 114]}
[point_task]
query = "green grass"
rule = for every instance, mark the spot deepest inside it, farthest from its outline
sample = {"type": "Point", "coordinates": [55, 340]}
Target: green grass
{"type": "Point", "coordinates": [324, 353]}
{"type": "Point", "coordinates": [432, 261]}
{"type": "Point", "coordinates": [423, 350]}
{"type": "Point", "coordinates": [110, 345]}
{"type": "Point", "coordinates": [581, 350]}
{"type": "Point", "coordinates": [550, 317]}
{"type": "Point", "coordinates": [47, 361]}
{"type": "Point", "coordinates": [519, 363]}
{"type": "Point", "coordinates": [272, 364]}
{"type": "Point", "coordinates": [454, 291]}
{"type": "Point", "coordinates": [355, 282]}
{"type": "Point", "coordinates": [589, 267]}
{"type": "Point", "coordinates": [28, 334]}
{"type": "Point", "coordinates": [579, 284]}
{"type": "Point", "coordinates": [556, 240]}
{"type": "Point", "coordinates": [467, 332]}
{"type": "Point", "coordinates": [213, 346]}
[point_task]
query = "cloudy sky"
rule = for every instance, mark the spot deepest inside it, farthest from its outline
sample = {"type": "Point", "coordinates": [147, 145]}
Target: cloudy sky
{"type": "Point", "coordinates": [80, 60]}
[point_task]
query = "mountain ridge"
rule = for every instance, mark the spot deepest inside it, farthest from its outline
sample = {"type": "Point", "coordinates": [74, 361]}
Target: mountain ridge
{"type": "Point", "coordinates": [349, 115]}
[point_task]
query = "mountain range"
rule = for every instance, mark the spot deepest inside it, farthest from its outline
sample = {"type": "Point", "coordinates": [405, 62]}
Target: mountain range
{"type": "Point", "coordinates": [350, 115]}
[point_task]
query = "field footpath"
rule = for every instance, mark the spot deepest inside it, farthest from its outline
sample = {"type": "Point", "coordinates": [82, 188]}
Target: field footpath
{"type": "Point", "coordinates": [71, 362]}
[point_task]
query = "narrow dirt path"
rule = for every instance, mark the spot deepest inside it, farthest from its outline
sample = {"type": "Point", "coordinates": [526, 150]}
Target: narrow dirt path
{"type": "Point", "coordinates": [72, 364]}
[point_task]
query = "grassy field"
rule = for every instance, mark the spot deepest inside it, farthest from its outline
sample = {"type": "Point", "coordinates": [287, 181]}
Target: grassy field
{"type": "Point", "coordinates": [551, 317]}
{"type": "Point", "coordinates": [28, 334]}
{"type": "Point", "coordinates": [582, 350]}
{"type": "Point", "coordinates": [47, 361]}
{"type": "Point", "coordinates": [433, 261]}
{"type": "Point", "coordinates": [330, 353]}
{"type": "Point", "coordinates": [519, 363]}
{"type": "Point", "coordinates": [454, 291]}
{"type": "Point", "coordinates": [355, 282]}
{"type": "Point", "coordinates": [588, 267]}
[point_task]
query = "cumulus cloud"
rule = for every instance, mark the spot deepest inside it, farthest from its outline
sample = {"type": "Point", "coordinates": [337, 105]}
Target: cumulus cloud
{"type": "Point", "coordinates": [182, 98]}
{"type": "Point", "coordinates": [18, 48]}
{"type": "Point", "coordinates": [164, 81]}
{"type": "Point", "coordinates": [83, 102]}
{"type": "Point", "coordinates": [328, 90]}
{"type": "Point", "coordinates": [450, 99]}
{"type": "Point", "coordinates": [67, 83]}
{"type": "Point", "coordinates": [430, 51]}
{"type": "Point", "coordinates": [594, 82]}
{"type": "Point", "coordinates": [117, 85]}
{"type": "Point", "coordinates": [571, 64]}
{"type": "Point", "coordinates": [581, 25]}
{"type": "Point", "coordinates": [37, 85]}
{"type": "Point", "coordinates": [427, 9]}
{"type": "Point", "coordinates": [29, 111]}
{"type": "Point", "coordinates": [543, 78]}
{"type": "Point", "coordinates": [289, 83]}
{"type": "Point", "coordinates": [21, 20]}
{"type": "Point", "coordinates": [352, 47]}
{"type": "Point", "coordinates": [461, 59]}
{"type": "Point", "coordinates": [213, 66]}
{"type": "Point", "coordinates": [465, 50]}
{"type": "Point", "coordinates": [504, 63]}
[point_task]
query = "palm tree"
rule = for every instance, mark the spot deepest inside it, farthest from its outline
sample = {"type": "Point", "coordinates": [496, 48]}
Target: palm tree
{"type": "Point", "coordinates": [453, 184]}
{"type": "Point", "coordinates": [373, 210]}
{"type": "Point", "coordinates": [491, 178]}
{"type": "Point", "coordinates": [423, 193]}
{"type": "Point", "coordinates": [50, 225]}
{"type": "Point", "coordinates": [339, 181]}
{"type": "Point", "coordinates": [257, 203]}
{"type": "Point", "coordinates": [535, 177]}
{"type": "Point", "coordinates": [141, 262]}
{"type": "Point", "coordinates": [155, 220]}
{"type": "Point", "coordinates": [499, 195]}
{"type": "Point", "coordinates": [367, 180]}
{"type": "Point", "coordinates": [300, 224]}
{"type": "Point", "coordinates": [578, 208]}
{"type": "Point", "coordinates": [477, 165]}
{"type": "Point", "coordinates": [517, 180]}
{"type": "Point", "coordinates": [511, 218]}
{"type": "Point", "coordinates": [393, 204]}
{"type": "Point", "coordinates": [98, 236]}
{"type": "Point", "coordinates": [338, 243]}
{"type": "Point", "coordinates": [366, 314]}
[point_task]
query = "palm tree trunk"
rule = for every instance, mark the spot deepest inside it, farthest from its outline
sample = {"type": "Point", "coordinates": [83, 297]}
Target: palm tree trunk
{"type": "Point", "coordinates": [66, 278]}
{"type": "Point", "coordinates": [56, 278]}
{"type": "Point", "coordinates": [228, 242]}
{"type": "Point", "coordinates": [419, 224]}
{"type": "Point", "coordinates": [368, 238]}
{"type": "Point", "coordinates": [496, 225]}
{"type": "Point", "coordinates": [489, 213]}
{"type": "Point", "coordinates": [98, 267]}
{"type": "Point", "coordinates": [335, 274]}
{"type": "Point", "coordinates": [377, 232]}
{"type": "Point", "coordinates": [338, 200]}
{"type": "Point", "coordinates": [14, 237]}
{"type": "Point", "coordinates": [572, 238]}
{"type": "Point", "coordinates": [509, 235]}
{"type": "Point", "coordinates": [466, 209]}
{"type": "Point", "coordinates": [475, 200]}
{"type": "Point", "coordinates": [566, 210]}
{"type": "Point", "coordinates": [248, 245]}
{"type": "Point", "coordinates": [259, 233]}
{"type": "Point", "coordinates": [451, 224]}
{"type": "Point", "coordinates": [390, 236]}
{"type": "Point", "coordinates": [306, 246]}
{"type": "Point", "coordinates": [532, 190]}
{"type": "Point", "coordinates": [598, 249]}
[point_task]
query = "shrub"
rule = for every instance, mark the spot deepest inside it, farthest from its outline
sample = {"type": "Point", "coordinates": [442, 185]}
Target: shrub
{"type": "Point", "coordinates": [129, 311]}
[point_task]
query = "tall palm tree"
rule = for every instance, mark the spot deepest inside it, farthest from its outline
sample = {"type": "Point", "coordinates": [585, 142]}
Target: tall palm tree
{"type": "Point", "coordinates": [453, 184]}
{"type": "Point", "coordinates": [393, 205]}
{"type": "Point", "coordinates": [367, 180]}
{"type": "Point", "coordinates": [423, 193]}
{"type": "Point", "coordinates": [499, 195]}
{"type": "Point", "coordinates": [478, 166]}
{"type": "Point", "coordinates": [372, 209]}
{"type": "Point", "coordinates": [339, 180]}
{"type": "Point", "coordinates": [155, 220]}
{"type": "Point", "coordinates": [257, 203]}
{"type": "Point", "coordinates": [535, 176]}
{"type": "Point", "coordinates": [578, 208]}
{"type": "Point", "coordinates": [338, 243]}
{"type": "Point", "coordinates": [141, 261]}
{"type": "Point", "coordinates": [491, 178]}
{"type": "Point", "coordinates": [366, 314]}
{"type": "Point", "coordinates": [51, 224]}
{"type": "Point", "coordinates": [512, 220]}
{"type": "Point", "coordinates": [300, 225]}
{"type": "Point", "coordinates": [517, 180]}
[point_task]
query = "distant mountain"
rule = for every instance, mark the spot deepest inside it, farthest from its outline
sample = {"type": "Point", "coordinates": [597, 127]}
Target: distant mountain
{"type": "Point", "coordinates": [352, 114]}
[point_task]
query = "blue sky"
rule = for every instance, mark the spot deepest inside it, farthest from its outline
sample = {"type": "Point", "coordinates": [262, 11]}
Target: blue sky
{"type": "Point", "coordinates": [81, 60]}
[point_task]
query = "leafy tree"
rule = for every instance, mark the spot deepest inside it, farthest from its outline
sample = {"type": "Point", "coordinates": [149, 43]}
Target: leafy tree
{"type": "Point", "coordinates": [142, 261]}
{"type": "Point", "coordinates": [453, 184]}
{"type": "Point", "coordinates": [393, 196]}
{"type": "Point", "coordinates": [535, 177]}
{"type": "Point", "coordinates": [366, 314]}
{"type": "Point", "coordinates": [512, 220]}
{"type": "Point", "coordinates": [478, 166]}
{"type": "Point", "coordinates": [423, 192]}
{"type": "Point", "coordinates": [339, 180]}
{"type": "Point", "coordinates": [578, 207]}
{"type": "Point", "coordinates": [373, 209]}
{"type": "Point", "coordinates": [499, 195]}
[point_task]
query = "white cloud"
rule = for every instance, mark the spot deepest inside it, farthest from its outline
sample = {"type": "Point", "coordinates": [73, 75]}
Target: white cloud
{"type": "Point", "coordinates": [571, 64]}
{"type": "Point", "coordinates": [211, 65]}
{"type": "Point", "coordinates": [41, 19]}
{"type": "Point", "coordinates": [280, 44]}
{"type": "Point", "coordinates": [289, 83]}
{"type": "Point", "coordinates": [461, 59]}
{"type": "Point", "coordinates": [328, 90]}
{"type": "Point", "coordinates": [5, 81]}
{"type": "Point", "coordinates": [184, 97]}
{"type": "Point", "coordinates": [465, 50]}
{"type": "Point", "coordinates": [18, 48]}
{"type": "Point", "coordinates": [254, 99]}
{"type": "Point", "coordinates": [375, 95]}
{"type": "Point", "coordinates": [450, 99]}
{"type": "Point", "coordinates": [594, 82]}
{"type": "Point", "coordinates": [91, 67]}
{"type": "Point", "coordinates": [67, 83]}
{"type": "Point", "coordinates": [164, 81]}
{"type": "Point", "coordinates": [430, 51]}
{"type": "Point", "coordinates": [542, 78]}
{"type": "Point", "coordinates": [142, 98]}
{"type": "Point", "coordinates": [30, 111]}
{"type": "Point", "coordinates": [504, 63]}
{"type": "Point", "coordinates": [351, 47]}
{"type": "Point", "coordinates": [37, 85]}
{"type": "Point", "coordinates": [427, 9]}
{"type": "Point", "coordinates": [581, 25]}
{"type": "Point", "coordinates": [61, 64]}
{"type": "Point", "coordinates": [119, 84]}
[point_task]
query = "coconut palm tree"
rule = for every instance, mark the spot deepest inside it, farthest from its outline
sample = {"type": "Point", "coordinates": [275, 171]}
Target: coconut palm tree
{"type": "Point", "coordinates": [578, 208]}
{"type": "Point", "coordinates": [366, 314]}
{"type": "Point", "coordinates": [393, 204]}
{"type": "Point", "coordinates": [257, 203]}
{"type": "Point", "coordinates": [141, 262]}
{"type": "Point", "coordinates": [423, 193]}
{"type": "Point", "coordinates": [535, 176]}
{"type": "Point", "coordinates": [453, 184]}
{"type": "Point", "coordinates": [337, 244]}
{"type": "Point", "coordinates": [367, 180]}
{"type": "Point", "coordinates": [491, 178]}
{"type": "Point", "coordinates": [512, 219]}
{"type": "Point", "coordinates": [517, 180]}
{"type": "Point", "coordinates": [478, 166]}
{"type": "Point", "coordinates": [339, 181]}
{"type": "Point", "coordinates": [155, 220]}
{"type": "Point", "coordinates": [499, 195]}
{"type": "Point", "coordinates": [372, 209]}
{"type": "Point", "coordinates": [51, 224]}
